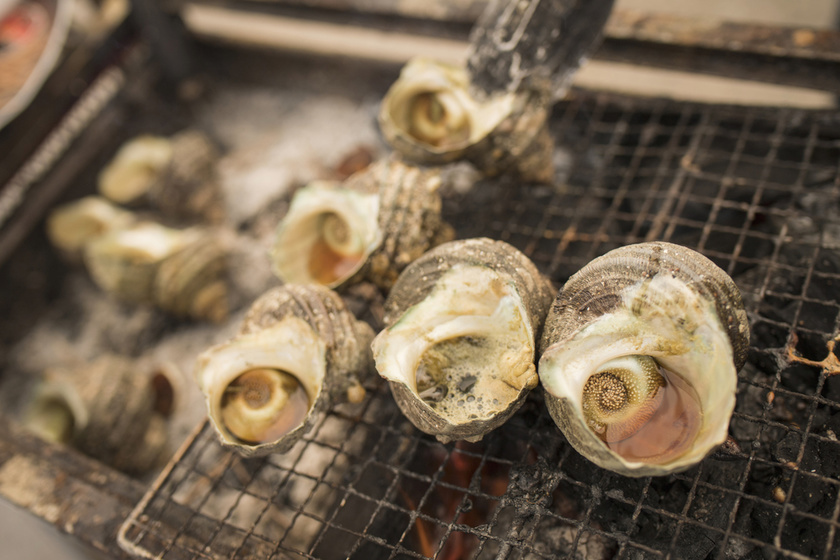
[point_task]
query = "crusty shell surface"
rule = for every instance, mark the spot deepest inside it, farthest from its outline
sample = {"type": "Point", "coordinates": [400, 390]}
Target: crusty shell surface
{"type": "Point", "coordinates": [418, 281]}
{"type": "Point", "coordinates": [345, 342]}
{"type": "Point", "coordinates": [597, 291]}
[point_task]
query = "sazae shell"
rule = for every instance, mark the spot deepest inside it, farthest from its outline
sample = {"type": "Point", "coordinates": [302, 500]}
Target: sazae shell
{"type": "Point", "coordinates": [176, 175]}
{"type": "Point", "coordinates": [640, 354]}
{"type": "Point", "coordinates": [459, 349]}
{"type": "Point", "coordinates": [109, 409]}
{"type": "Point", "coordinates": [183, 272]}
{"type": "Point", "coordinates": [299, 351]}
{"type": "Point", "coordinates": [73, 225]}
{"type": "Point", "coordinates": [369, 227]}
{"type": "Point", "coordinates": [431, 116]}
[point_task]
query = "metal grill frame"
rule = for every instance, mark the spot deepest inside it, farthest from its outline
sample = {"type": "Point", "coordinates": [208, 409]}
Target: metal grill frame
{"type": "Point", "coordinates": [728, 181]}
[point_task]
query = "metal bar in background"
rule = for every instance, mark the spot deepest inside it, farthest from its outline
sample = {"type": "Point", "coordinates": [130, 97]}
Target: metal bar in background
{"type": "Point", "coordinates": [800, 57]}
{"type": "Point", "coordinates": [794, 56]}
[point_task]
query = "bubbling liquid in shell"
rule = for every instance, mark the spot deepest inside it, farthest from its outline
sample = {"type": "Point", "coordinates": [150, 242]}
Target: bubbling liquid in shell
{"type": "Point", "coordinates": [326, 265]}
{"type": "Point", "coordinates": [663, 431]}
{"type": "Point", "coordinates": [460, 377]}
{"type": "Point", "coordinates": [262, 405]}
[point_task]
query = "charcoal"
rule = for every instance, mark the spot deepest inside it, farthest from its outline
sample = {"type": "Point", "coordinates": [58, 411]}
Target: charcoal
{"type": "Point", "coordinates": [530, 485]}
{"type": "Point", "coordinates": [810, 496]}
{"type": "Point", "coordinates": [695, 543]}
{"type": "Point", "coordinates": [830, 453]}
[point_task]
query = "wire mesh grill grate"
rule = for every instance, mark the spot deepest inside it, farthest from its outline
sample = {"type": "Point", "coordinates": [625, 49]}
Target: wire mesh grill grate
{"type": "Point", "coordinates": [757, 191]}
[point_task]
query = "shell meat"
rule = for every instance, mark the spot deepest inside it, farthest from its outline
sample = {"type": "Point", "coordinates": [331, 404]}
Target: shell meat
{"type": "Point", "coordinates": [371, 226]}
{"type": "Point", "coordinates": [110, 409]}
{"type": "Point", "coordinates": [177, 175]}
{"type": "Point", "coordinates": [639, 358]}
{"type": "Point", "coordinates": [71, 226]}
{"type": "Point", "coordinates": [431, 116]}
{"type": "Point", "coordinates": [299, 351]}
{"type": "Point", "coordinates": [180, 271]}
{"type": "Point", "coordinates": [459, 348]}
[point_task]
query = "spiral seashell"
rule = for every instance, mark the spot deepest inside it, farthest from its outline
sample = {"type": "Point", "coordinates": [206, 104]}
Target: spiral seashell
{"type": "Point", "coordinates": [71, 226]}
{"type": "Point", "coordinates": [180, 271]}
{"type": "Point", "coordinates": [299, 351]}
{"type": "Point", "coordinates": [108, 409]}
{"type": "Point", "coordinates": [369, 227]}
{"type": "Point", "coordinates": [188, 188]}
{"type": "Point", "coordinates": [176, 175]}
{"type": "Point", "coordinates": [192, 282]}
{"type": "Point", "coordinates": [138, 163]}
{"type": "Point", "coordinates": [431, 116]}
{"type": "Point", "coordinates": [639, 358]}
{"type": "Point", "coordinates": [459, 348]}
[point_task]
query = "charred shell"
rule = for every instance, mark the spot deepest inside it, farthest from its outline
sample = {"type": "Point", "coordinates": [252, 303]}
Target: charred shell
{"type": "Point", "coordinates": [370, 227]}
{"type": "Point", "coordinates": [298, 352]}
{"type": "Point", "coordinates": [430, 115]}
{"type": "Point", "coordinates": [640, 354]}
{"type": "Point", "coordinates": [459, 347]}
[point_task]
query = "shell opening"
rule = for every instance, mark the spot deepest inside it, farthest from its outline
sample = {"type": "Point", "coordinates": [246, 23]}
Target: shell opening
{"type": "Point", "coordinates": [640, 410]}
{"type": "Point", "coordinates": [263, 405]}
{"type": "Point", "coordinates": [134, 168]}
{"type": "Point", "coordinates": [73, 225]}
{"type": "Point", "coordinates": [263, 386]}
{"type": "Point", "coordinates": [51, 418]}
{"type": "Point", "coordinates": [438, 118]}
{"type": "Point", "coordinates": [164, 394]}
{"type": "Point", "coordinates": [326, 236]}
{"type": "Point", "coordinates": [430, 107]}
{"type": "Point", "coordinates": [337, 251]}
{"type": "Point", "coordinates": [466, 350]}
{"type": "Point", "coordinates": [660, 323]}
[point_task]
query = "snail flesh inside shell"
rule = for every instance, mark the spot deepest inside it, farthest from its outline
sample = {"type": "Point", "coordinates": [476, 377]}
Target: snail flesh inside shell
{"type": "Point", "coordinates": [460, 345]}
{"type": "Point", "coordinates": [299, 351]}
{"type": "Point", "coordinates": [640, 355]}
{"type": "Point", "coordinates": [369, 227]}
{"type": "Point", "coordinates": [431, 116]}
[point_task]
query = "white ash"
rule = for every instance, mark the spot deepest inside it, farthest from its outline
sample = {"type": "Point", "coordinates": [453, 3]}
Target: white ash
{"type": "Point", "coordinates": [280, 139]}
{"type": "Point", "coordinates": [458, 178]}
{"type": "Point", "coordinates": [559, 538]}
{"type": "Point", "coordinates": [248, 268]}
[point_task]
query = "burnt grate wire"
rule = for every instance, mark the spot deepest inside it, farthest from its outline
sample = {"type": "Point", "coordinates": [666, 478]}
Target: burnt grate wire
{"type": "Point", "coordinates": [757, 191]}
